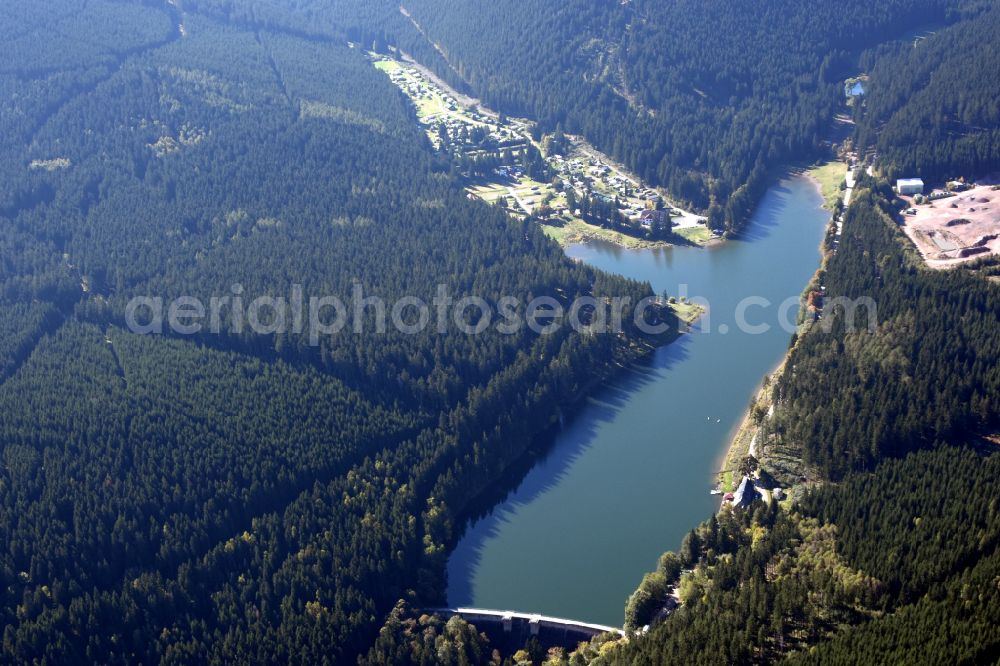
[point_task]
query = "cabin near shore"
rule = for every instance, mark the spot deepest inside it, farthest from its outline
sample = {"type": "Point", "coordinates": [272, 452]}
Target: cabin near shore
{"type": "Point", "coordinates": [746, 494]}
{"type": "Point", "coordinates": [655, 220]}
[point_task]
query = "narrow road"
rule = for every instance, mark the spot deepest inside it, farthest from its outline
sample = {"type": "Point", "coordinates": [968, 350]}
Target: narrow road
{"type": "Point", "coordinates": [520, 202]}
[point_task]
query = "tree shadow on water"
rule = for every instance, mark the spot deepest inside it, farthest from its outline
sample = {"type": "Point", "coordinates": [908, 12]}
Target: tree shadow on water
{"type": "Point", "coordinates": [775, 204]}
{"type": "Point", "coordinates": [767, 216]}
{"type": "Point", "coordinates": [546, 465]}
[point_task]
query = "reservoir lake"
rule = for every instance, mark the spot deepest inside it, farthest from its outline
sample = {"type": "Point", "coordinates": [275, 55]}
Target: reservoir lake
{"type": "Point", "coordinates": [629, 473]}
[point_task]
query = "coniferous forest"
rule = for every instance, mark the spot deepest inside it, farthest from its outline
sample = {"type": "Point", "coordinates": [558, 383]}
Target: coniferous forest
{"type": "Point", "coordinates": [933, 107]}
{"type": "Point", "coordinates": [893, 563]}
{"type": "Point", "coordinates": [257, 498]}
{"type": "Point", "coordinates": [241, 498]}
{"type": "Point", "coordinates": [897, 562]}
{"type": "Point", "coordinates": [707, 99]}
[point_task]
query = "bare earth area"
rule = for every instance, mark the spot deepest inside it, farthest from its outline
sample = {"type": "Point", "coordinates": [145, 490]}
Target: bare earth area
{"type": "Point", "coordinates": [955, 229]}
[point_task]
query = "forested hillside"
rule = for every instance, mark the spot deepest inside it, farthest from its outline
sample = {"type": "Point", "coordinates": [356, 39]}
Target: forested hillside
{"type": "Point", "coordinates": [241, 497]}
{"type": "Point", "coordinates": [257, 498]}
{"type": "Point", "coordinates": [704, 98]}
{"type": "Point", "coordinates": [929, 372]}
{"type": "Point", "coordinates": [932, 107]}
{"type": "Point", "coordinates": [892, 565]}
{"type": "Point", "coordinates": [814, 585]}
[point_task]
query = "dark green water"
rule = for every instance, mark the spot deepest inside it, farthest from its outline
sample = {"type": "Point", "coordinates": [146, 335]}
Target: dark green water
{"type": "Point", "coordinates": [629, 474]}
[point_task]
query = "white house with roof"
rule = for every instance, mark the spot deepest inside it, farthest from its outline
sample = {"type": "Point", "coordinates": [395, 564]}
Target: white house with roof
{"type": "Point", "coordinates": [654, 219]}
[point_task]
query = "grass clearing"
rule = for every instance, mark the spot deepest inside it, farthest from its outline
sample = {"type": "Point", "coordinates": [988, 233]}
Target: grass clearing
{"type": "Point", "coordinates": [532, 188]}
{"type": "Point", "coordinates": [564, 235]}
{"type": "Point", "coordinates": [429, 102]}
{"type": "Point", "coordinates": [830, 176]}
{"type": "Point", "coordinates": [574, 230]}
{"type": "Point", "coordinates": [388, 66]}
{"type": "Point", "coordinates": [699, 234]}
{"type": "Point", "coordinates": [488, 192]}
{"type": "Point", "coordinates": [687, 312]}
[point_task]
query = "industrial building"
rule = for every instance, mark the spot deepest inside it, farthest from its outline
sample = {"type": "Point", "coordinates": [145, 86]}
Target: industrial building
{"type": "Point", "coordinates": [910, 186]}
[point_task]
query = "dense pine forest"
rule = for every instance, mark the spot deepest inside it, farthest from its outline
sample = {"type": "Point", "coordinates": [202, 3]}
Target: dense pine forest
{"type": "Point", "coordinates": [897, 562]}
{"type": "Point", "coordinates": [932, 109]}
{"type": "Point", "coordinates": [707, 99]}
{"type": "Point", "coordinates": [241, 497]}
{"type": "Point", "coordinates": [256, 498]}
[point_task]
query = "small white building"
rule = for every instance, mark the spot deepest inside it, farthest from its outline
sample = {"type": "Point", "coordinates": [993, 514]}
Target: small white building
{"type": "Point", "coordinates": [910, 186]}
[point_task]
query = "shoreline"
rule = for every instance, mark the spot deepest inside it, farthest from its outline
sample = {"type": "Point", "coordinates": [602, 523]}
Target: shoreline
{"type": "Point", "coordinates": [577, 234]}
{"type": "Point", "coordinates": [742, 440]}
{"type": "Point", "coordinates": [723, 439]}
{"type": "Point", "coordinates": [633, 355]}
